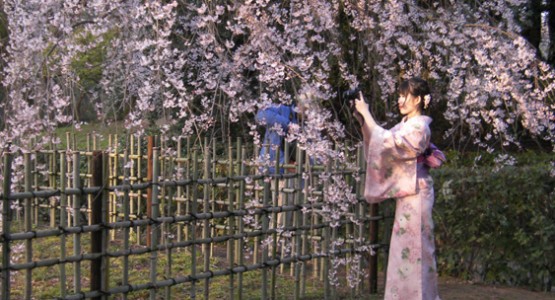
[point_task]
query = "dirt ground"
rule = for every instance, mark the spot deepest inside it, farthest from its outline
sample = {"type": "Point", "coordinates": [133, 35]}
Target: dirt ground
{"type": "Point", "coordinates": [457, 289]}
{"type": "Point", "coordinates": [451, 288]}
{"type": "Point", "coordinates": [454, 289]}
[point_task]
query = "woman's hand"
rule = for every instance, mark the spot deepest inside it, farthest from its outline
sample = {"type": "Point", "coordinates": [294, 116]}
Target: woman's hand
{"type": "Point", "coordinates": [363, 109]}
{"type": "Point", "coordinates": [360, 105]}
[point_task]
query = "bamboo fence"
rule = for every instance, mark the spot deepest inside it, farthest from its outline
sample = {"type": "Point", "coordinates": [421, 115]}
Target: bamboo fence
{"type": "Point", "coordinates": [163, 201]}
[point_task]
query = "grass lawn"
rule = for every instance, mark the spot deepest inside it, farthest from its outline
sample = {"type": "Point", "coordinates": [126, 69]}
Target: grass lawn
{"type": "Point", "coordinates": [46, 281]}
{"type": "Point", "coordinates": [79, 136]}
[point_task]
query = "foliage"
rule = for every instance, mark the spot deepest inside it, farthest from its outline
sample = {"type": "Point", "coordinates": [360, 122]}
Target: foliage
{"type": "Point", "coordinates": [88, 68]}
{"type": "Point", "coordinates": [497, 226]}
{"type": "Point", "coordinates": [78, 136]}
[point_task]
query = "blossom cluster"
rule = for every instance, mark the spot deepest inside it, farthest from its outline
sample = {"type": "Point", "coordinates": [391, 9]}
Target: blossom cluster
{"type": "Point", "coordinates": [189, 64]}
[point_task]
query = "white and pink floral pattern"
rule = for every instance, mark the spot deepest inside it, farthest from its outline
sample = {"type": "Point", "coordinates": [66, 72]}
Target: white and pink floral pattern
{"type": "Point", "coordinates": [393, 172]}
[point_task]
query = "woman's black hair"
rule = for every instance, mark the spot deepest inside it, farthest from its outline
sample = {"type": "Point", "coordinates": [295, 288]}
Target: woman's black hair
{"type": "Point", "coordinates": [415, 86]}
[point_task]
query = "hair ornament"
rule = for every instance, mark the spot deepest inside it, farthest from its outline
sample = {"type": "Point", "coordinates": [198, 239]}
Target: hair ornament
{"type": "Point", "coordinates": [427, 99]}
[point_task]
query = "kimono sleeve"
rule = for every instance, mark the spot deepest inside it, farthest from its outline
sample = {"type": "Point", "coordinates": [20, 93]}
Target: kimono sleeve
{"type": "Point", "coordinates": [391, 160]}
{"type": "Point", "coordinates": [406, 143]}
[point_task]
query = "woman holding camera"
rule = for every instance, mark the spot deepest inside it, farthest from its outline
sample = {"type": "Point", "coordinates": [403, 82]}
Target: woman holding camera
{"type": "Point", "coordinates": [396, 168]}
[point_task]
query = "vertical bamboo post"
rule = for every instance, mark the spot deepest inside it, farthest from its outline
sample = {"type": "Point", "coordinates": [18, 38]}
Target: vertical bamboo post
{"type": "Point", "coordinates": [231, 220]}
{"type": "Point", "coordinates": [361, 211]}
{"type": "Point", "coordinates": [322, 261]}
{"type": "Point", "coordinates": [349, 228]}
{"type": "Point", "coordinates": [113, 213]}
{"type": "Point", "coordinates": [317, 272]}
{"type": "Point", "coordinates": [179, 227]}
{"type": "Point", "coordinates": [162, 202]}
{"type": "Point", "coordinates": [335, 230]}
{"type": "Point", "coordinates": [167, 234]}
{"type": "Point", "coordinates": [275, 219]}
{"type": "Point", "coordinates": [326, 247]}
{"type": "Point", "coordinates": [318, 264]}
{"type": "Point", "coordinates": [350, 241]}
{"type": "Point", "coordinates": [74, 143]}
{"type": "Point", "coordinates": [373, 264]}
{"type": "Point", "coordinates": [97, 218]}
{"type": "Point", "coordinates": [213, 191]}
{"type": "Point", "coordinates": [206, 209]}
{"type": "Point", "coordinates": [129, 157]}
{"type": "Point", "coordinates": [63, 222]}
{"type": "Point", "coordinates": [36, 185]}
{"type": "Point", "coordinates": [265, 226]}
{"type": "Point", "coordinates": [76, 212]}
{"type": "Point", "coordinates": [255, 256]}
{"type": "Point", "coordinates": [155, 213]}
{"type": "Point", "coordinates": [373, 239]}
{"type": "Point", "coordinates": [284, 202]}
{"type": "Point", "coordinates": [126, 230]}
{"type": "Point", "coordinates": [28, 226]}
{"type": "Point", "coordinates": [240, 225]}
{"type": "Point", "coordinates": [90, 164]}
{"type": "Point", "coordinates": [6, 223]}
{"type": "Point", "coordinates": [193, 226]}
{"type": "Point", "coordinates": [296, 184]}
{"type": "Point", "coordinates": [105, 263]}
{"type": "Point", "coordinates": [111, 159]}
{"type": "Point", "coordinates": [68, 185]}
{"type": "Point", "coordinates": [332, 288]}
{"type": "Point", "coordinates": [68, 167]}
{"type": "Point", "coordinates": [188, 188]}
{"type": "Point", "coordinates": [290, 201]}
{"type": "Point", "coordinates": [52, 183]}
{"type": "Point", "coordinates": [34, 173]}
{"type": "Point", "coordinates": [169, 250]}
{"type": "Point", "coordinates": [149, 190]}
{"type": "Point", "coordinates": [256, 193]}
{"type": "Point", "coordinates": [305, 237]}
{"type": "Point", "coordinates": [139, 192]}
{"type": "Point", "coordinates": [297, 220]}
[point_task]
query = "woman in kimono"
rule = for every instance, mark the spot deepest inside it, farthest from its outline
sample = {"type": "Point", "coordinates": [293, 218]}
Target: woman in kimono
{"type": "Point", "coordinates": [395, 169]}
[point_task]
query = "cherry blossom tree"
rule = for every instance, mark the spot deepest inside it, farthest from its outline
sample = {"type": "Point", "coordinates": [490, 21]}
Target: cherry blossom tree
{"type": "Point", "coordinates": [197, 63]}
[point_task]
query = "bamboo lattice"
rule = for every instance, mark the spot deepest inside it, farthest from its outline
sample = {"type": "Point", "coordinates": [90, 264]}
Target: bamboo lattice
{"type": "Point", "coordinates": [161, 203]}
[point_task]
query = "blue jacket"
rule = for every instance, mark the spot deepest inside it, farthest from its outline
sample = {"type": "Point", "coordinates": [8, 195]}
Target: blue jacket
{"type": "Point", "coordinates": [275, 114]}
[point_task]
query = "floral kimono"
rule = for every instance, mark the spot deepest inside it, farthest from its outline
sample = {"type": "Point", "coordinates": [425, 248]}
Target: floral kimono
{"type": "Point", "coordinates": [393, 172]}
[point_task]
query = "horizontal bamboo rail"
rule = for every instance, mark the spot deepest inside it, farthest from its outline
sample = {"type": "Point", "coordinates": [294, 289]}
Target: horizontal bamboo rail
{"type": "Point", "coordinates": [193, 197]}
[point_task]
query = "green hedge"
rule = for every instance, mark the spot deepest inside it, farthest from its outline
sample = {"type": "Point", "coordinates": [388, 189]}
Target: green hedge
{"type": "Point", "coordinates": [496, 226]}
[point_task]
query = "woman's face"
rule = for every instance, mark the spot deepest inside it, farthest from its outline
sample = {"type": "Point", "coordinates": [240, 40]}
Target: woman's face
{"type": "Point", "coordinates": [409, 105]}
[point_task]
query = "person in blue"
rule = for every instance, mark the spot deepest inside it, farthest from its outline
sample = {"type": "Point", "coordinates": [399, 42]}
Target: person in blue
{"type": "Point", "coordinates": [276, 119]}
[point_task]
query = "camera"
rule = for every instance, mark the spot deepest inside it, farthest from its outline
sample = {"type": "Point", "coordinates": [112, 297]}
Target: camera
{"type": "Point", "coordinates": [351, 94]}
